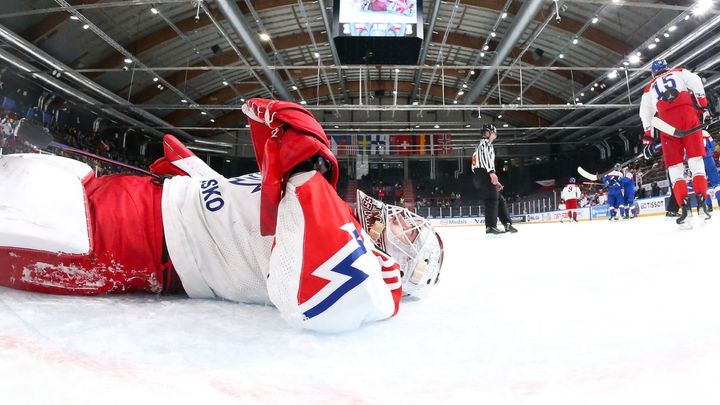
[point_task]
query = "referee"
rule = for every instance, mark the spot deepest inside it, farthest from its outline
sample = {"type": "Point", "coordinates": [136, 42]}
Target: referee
{"type": "Point", "coordinates": [485, 179]}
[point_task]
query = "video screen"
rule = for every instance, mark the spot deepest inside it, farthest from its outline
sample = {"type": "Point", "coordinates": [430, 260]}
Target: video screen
{"type": "Point", "coordinates": [378, 18]}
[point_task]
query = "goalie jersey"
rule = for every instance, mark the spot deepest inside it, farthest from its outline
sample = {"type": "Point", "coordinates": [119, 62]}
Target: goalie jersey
{"type": "Point", "coordinates": [320, 269]}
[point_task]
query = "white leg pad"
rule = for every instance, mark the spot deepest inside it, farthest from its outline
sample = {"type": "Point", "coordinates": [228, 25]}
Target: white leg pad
{"type": "Point", "coordinates": [697, 166]}
{"type": "Point", "coordinates": [676, 172]}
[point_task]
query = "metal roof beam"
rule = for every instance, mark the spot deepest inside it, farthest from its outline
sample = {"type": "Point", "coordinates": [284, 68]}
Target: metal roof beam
{"type": "Point", "coordinates": [519, 24]}
{"type": "Point", "coordinates": [73, 93]}
{"type": "Point", "coordinates": [236, 19]}
{"type": "Point", "coordinates": [527, 117]}
{"type": "Point", "coordinates": [47, 26]}
{"type": "Point", "coordinates": [20, 43]}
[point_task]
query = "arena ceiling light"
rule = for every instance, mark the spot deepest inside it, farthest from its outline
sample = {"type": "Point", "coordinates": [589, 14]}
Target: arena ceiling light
{"type": "Point", "coordinates": [613, 74]}
{"type": "Point", "coordinates": [127, 61]}
{"type": "Point", "coordinates": [634, 59]}
{"type": "Point", "coordinates": [303, 102]}
{"type": "Point", "coordinates": [672, 28]}
{"type": "Point", "coordinates": [562, 55]}
{"type": "Point", "coordinates": [225, 83]}
{"type": "Point", "coordinates": [702, 7]}
{"type": "Point", "coordinates": [595, 20]}
{"type": "Point", "coordinates": [154, 10]}
{"type": "Point", "coordinates": [86, 26]}
{"type": "Point", "coordinates": [503, 16]}
{"type": "Point", "coordinates": [651, 46]}
{"type": "Point", "coordinates": [264, 36]}
{"type": "Point", "coordinates": [74, 17]}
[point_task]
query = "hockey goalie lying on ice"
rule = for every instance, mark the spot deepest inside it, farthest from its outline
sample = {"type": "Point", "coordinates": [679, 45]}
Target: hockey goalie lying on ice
{"type": "Point", "coordinates": [285, 238]}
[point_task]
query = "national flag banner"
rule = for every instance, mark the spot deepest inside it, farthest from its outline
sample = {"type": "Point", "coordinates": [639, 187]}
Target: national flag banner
{"type": "Point", "coordinates": [442, 144]}
{"type": "Point", "coordinates": [401, 145]}
{"type": "Point", "coordinates": [423, 144]}
{"type": "Point", "coordinates": [342, 145]}
{"type": "Point", "coordinates": [544, 185]}
{"type": "Point", "coordinates": [363, 144]}
{"type": "Point", "coordinates": [379, 144]}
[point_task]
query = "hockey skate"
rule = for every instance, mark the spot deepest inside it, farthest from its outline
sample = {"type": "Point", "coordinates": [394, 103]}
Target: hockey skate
{"type": "Point", "coordinates": [491, 230]}
{"type": "Point", "coordinates": [685, 210]}
{"type": "Point", "coordinates": [702, 208]}
{"type": "Point", "coordinates": [509, 228]}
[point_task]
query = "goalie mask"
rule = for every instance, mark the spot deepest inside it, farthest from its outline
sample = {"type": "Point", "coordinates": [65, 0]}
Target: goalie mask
{"type": "Point", "coordinates": [408, 238]}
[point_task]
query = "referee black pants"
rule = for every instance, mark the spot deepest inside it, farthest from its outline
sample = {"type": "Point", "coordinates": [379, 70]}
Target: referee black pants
{"type": "Point", "coordinates": [495, 204]}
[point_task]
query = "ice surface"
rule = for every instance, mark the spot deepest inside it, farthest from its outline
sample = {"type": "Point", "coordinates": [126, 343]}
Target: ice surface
{"type": "Point", "coordinates": [588, 313]}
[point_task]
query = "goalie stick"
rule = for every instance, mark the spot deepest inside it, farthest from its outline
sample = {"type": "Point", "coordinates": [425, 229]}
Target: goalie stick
{"type": "Point", "coordinates": [663, 126]}
{"type": "Point", "coordinates": [39, 138]}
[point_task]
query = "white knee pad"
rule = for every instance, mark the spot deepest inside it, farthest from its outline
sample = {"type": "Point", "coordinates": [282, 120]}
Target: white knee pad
{"type": "Point", "coordinates": [676, 173]}
{"type": "Point", "coordinates": [696, 166]}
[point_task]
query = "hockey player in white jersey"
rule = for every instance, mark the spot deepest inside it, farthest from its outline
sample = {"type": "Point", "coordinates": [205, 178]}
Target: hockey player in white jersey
{"type": "Point", "coordinates": [283, 237]}
{"type": "Point", "coordinates": [571, 194]}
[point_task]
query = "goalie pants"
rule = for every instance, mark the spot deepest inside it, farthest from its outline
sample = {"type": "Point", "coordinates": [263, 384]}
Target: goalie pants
{"type": "Point", "coordinates": [126, 246]}
{"type": "Point", "coordinates": [495, 204]}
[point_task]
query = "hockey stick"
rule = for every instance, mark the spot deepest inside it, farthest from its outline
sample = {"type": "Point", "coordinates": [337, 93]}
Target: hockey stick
{"type": "Point", "coordinates": [595, 177]}
{"type": "Point", "coordinates": [39, 138]}
{"type": "Point", "coordinates": [663, 126]}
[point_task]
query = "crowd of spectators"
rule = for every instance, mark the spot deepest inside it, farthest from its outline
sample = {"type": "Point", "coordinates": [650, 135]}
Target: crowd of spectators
{"type": "Point", "coordinates": [108, 146]}
{"type": "Point", "coordinates": [433, 194]}
{"type": "Point", "coordinates": [389, 192]}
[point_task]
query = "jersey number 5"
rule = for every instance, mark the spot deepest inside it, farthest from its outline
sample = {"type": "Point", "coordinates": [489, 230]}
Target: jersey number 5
{"type": "Point", "coordinates": [668, 82]}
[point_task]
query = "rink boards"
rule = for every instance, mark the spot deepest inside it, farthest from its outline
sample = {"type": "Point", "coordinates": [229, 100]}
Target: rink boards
{"type": "Point", "coordinates": [648, 207]}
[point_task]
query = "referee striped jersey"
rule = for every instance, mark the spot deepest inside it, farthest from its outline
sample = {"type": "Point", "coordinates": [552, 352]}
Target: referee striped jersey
{"type": "Point", "coordinates": [484, 156]}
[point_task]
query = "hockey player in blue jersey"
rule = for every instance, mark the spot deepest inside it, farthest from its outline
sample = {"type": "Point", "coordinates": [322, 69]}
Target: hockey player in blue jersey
{"type": "Point", "coordinates": [628, 188]}
{"type": "Point", "coordinates": [711, 171]}
{"type": "Point", "coordinates": [615, 196]}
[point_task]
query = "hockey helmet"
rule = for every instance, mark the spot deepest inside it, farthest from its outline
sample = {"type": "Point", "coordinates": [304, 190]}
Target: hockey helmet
{"type": "Point", "coordinates": [617, 166]}
{"type": "Point", "coordinates": [488, 128]}
{"type": "Point", "coordinates": [408, 238]}
{"type": "Point", "coordinates": [659, 66]}
{"type": "Point", "coordinates": [572, 180]}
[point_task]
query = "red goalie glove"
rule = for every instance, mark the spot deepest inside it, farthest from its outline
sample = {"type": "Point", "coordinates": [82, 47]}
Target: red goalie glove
{"type": "Point", "coordinates": [284, 135]}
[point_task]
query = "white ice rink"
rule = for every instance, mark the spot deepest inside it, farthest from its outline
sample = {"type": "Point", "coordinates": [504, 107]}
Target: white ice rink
{"type": "Point", "coordinates": [588, 313]}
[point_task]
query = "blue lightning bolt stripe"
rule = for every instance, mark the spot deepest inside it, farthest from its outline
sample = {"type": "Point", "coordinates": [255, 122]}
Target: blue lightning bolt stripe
{"type": "Point", "coordinates": [345, 267]}
{"type": "Point", "coordinates": [252, 179]}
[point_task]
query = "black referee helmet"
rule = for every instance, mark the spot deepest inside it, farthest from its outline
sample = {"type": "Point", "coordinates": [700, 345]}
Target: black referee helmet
{"type": "Point", "coordinates": [488, 128]}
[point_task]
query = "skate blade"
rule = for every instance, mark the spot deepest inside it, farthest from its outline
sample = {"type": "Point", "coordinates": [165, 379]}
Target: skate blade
{"type": "Point", "coordinates": [686, 226]}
